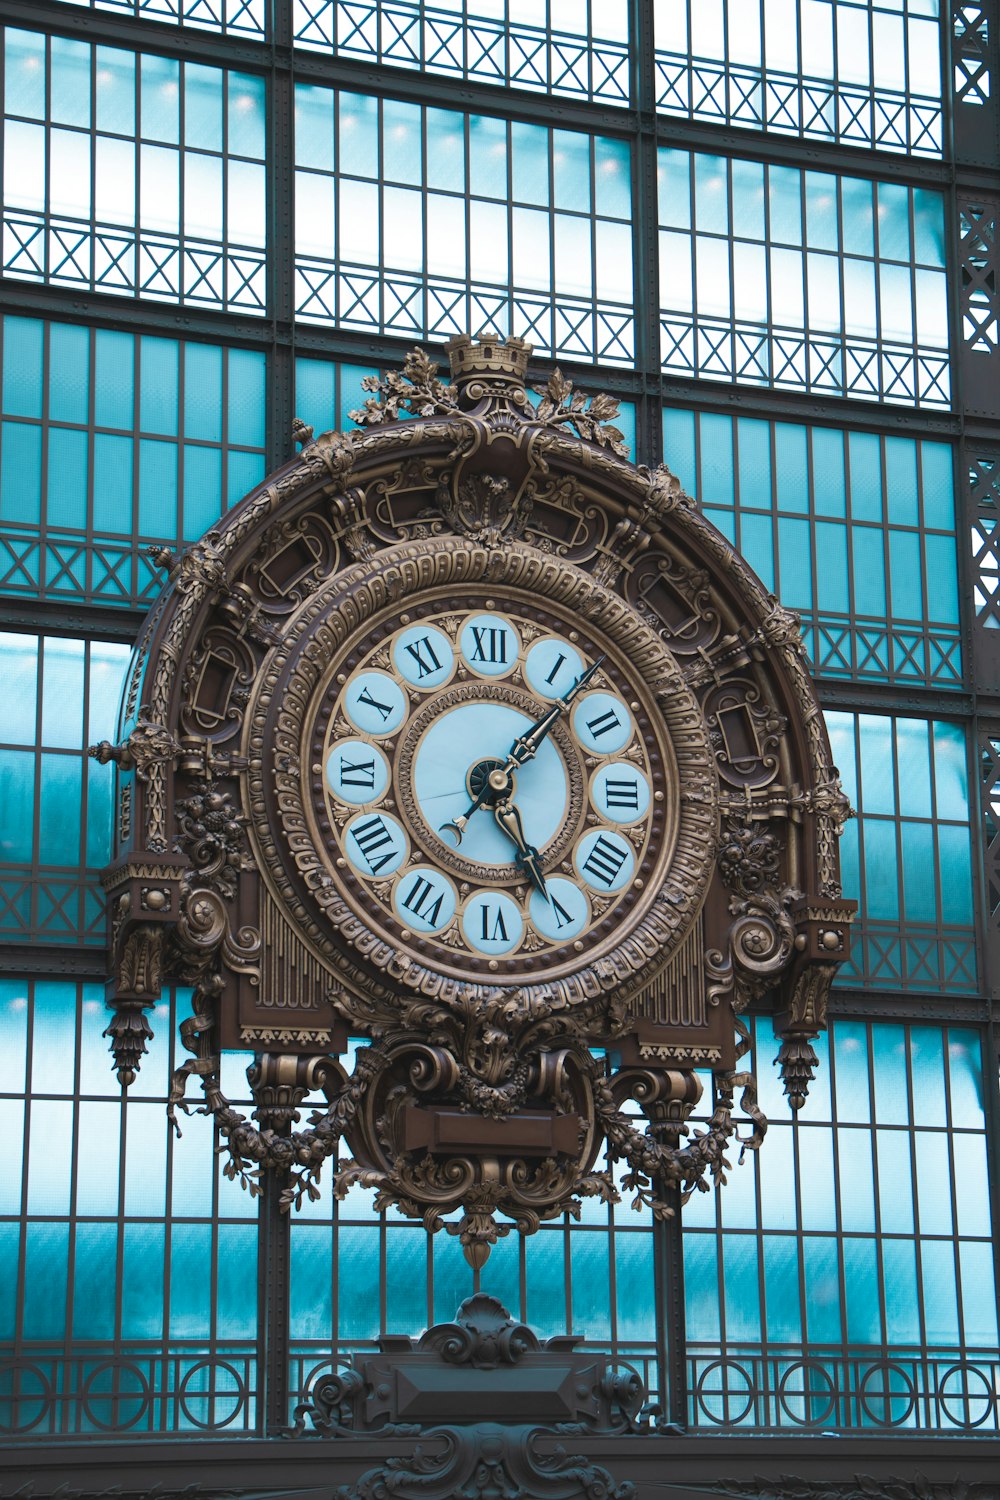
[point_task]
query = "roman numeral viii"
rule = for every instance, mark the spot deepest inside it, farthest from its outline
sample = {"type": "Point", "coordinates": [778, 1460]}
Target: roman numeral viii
{"type": "Point", "coordinates": [371, 836]}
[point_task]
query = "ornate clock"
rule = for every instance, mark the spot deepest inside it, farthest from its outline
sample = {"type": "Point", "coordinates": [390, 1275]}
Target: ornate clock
{"type": "Point", "coordinates": [466, 735]}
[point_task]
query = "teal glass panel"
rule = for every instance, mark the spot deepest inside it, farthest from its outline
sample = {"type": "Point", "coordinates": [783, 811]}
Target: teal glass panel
{"type": "Point", "coordinates": [937, 1264]}
{"type": "Point", "coordinates": [856, 1179]}
{"type": "Point", "coordinates": [816, 1179]}
{"type": "Point", "coordinates": [23, 367]}
{"type": "Point", "coordinates": [358, 1281]}
{"type": "Point", "coordinates": [634, 1284]}
{"type": "Point", "coordinates": [902, 1300]}
{"type": "Point", "coordinates": [114, 378]}
{"type": "Point", "coordinates": [202, 489]}
{"type": "Point", "coordinates": [10, 1246]}
{"type": "Point", "coordinates": [406, 1279]}
{"type": "Point", "coordinates": [203, 392]}
{"type": "Point", "coordinates": [20, 473]}
{"type": "Point", "coordinates": [591, 1284]}
{"type": "Point", "coordinates": [129, 494]}
{"type": "Point", "coordinates": [879, 602]}
{"type": "Point", "coordinates": [326, 393]}
{"type": "Point", "coordinates": [889, 1074]}
{"type": "Point", "coordinates": [97, 1158]}
{"type": "Point", "coordinates": [979, 1301]}
{"type": "Point", "coordinates": [190, 1289]}
{"type": "Point", "coordinates": [701, 1287]}
{"type": "Point", "coordinates": [741, 1270]}
{"type": "Point", "coordinates": [864, 75]}
{"type": "Point", "coordinates": [46, 1257]}
{"type": "Point", "coordinates": [235, 1312]}
{"type": "Point", "coordinates": [861, 1289]}
{"type": "Point", "coordinates": [142, 1292]}
{"type": "Point", "coordinates": [95, 1253]}
{"type": "Point", "coordinates": [66, 498]}
{"type": "Point", "coordinates": [822, 1289]}
{"type": "Point", "coordinates": [158, 387]}
{"type": "Point", "coordinates": [54, 837]}
{"type": "Point", "coordinates": [311, 1295]}
{"type": "Point", "coordinates": [564, 49]}
{"type": "Point", "coordinates": [69, 373]}
{"type": "Point", "coordinates": [781, 1288]}
{"type": "Point", "coordinates": [546, 1282]}
{"type": "Point", "coordinates": [895, 1184]}
{"type": "Point", "coordinates": [965, 1078]}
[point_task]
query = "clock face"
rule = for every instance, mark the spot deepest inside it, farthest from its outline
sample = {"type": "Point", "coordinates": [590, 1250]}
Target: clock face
{"type": "Point", "coordinates": [490, 785]}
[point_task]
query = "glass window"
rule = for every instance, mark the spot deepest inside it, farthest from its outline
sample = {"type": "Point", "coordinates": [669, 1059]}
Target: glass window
{"type": "Point", "coordinates": [879, 1264]}
{"type": "Point", "coordinates": [861, 72]}
{"type": "Point", "coordinates": [127, 1252]}
{"type": "Point", "coordinates": [814, 288]}
{"type": "Point", "coordinates": [387, 240]}
{"type": "Point", "coordinates": [56, 833]}
{"type": "Point", "coordinates": [232, 17]}
{"type": "Point", "coordinates": [907, 856]}
{"type": "Point", "coordinates": [111, 443]}
{"type": "Point", "coordinates": [132, 174]}
{"type": "Point", "coordinates": [854, 531]}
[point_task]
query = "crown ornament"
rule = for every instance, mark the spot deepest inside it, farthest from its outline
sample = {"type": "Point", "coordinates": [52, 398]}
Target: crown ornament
{"type": "Point", "coordinates": [489, 365]}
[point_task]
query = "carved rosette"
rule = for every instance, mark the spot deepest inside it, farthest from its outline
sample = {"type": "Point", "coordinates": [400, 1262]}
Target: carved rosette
{"type": "Point", "coordinates": [477, 1095]}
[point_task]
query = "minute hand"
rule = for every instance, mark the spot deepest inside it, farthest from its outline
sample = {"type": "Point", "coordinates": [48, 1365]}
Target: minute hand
{"type": "Point", "coordinates": [525, 747]}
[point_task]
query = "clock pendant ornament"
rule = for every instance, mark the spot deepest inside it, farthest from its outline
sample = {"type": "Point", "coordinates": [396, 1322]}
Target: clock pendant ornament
{"type": "Point", "coordinates": [465, 736]}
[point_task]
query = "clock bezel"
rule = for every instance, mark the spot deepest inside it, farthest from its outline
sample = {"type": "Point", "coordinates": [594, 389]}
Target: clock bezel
{"type": "Point", "coordinates": [363, 604]}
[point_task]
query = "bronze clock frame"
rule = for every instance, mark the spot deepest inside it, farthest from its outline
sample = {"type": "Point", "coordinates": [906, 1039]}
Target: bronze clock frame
{"type": "Point", "coordinates": [482, 1090]}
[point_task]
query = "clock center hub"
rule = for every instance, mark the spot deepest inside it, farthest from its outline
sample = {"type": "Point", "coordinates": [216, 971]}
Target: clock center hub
{"type": "Point", "coordinates": [492, 774]}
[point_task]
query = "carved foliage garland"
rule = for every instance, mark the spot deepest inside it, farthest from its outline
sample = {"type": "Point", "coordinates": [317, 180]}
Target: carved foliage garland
{"type": "Point", "coordinates": [477, 1104]}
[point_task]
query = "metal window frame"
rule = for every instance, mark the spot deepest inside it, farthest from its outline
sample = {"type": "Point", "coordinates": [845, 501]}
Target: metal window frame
{"type": "Point", "coordinates": [968, 169]}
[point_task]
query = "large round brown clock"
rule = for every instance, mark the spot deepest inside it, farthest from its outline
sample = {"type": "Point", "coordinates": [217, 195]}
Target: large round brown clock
{"type": "Point", "coordinates": [499, 771]}
{"type": "Point", "coordinates": [465, 736]}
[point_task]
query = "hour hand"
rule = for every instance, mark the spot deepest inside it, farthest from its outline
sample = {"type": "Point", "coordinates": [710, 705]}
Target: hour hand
{"type": "Point", "coordinates": [527, 858]}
